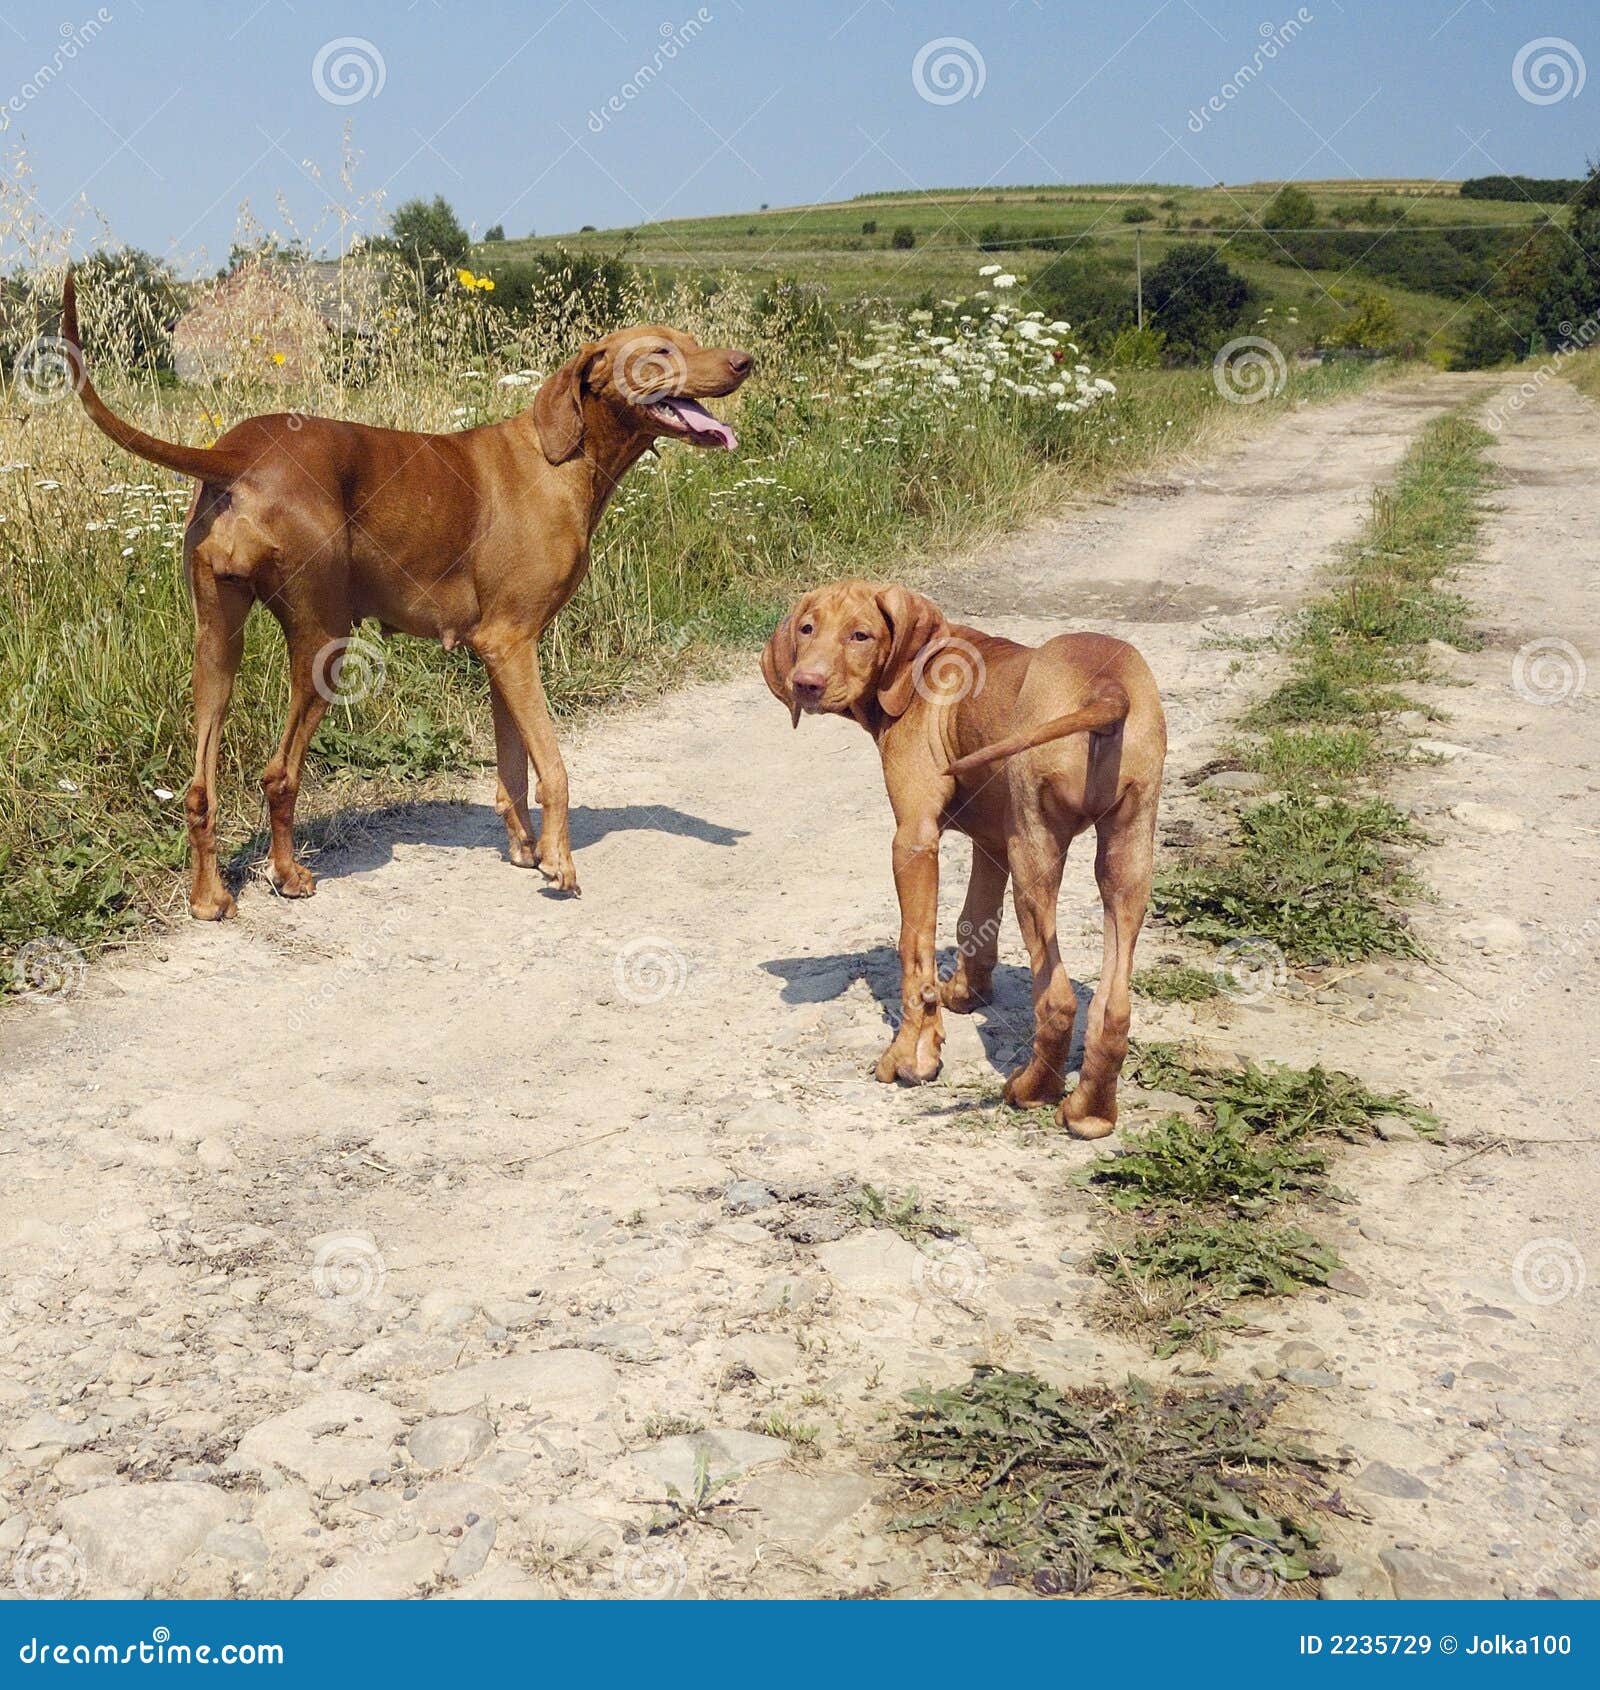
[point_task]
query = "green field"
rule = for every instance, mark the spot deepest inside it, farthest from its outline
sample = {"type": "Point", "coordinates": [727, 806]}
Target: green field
{"type": "Point", "coordinates": [846, 248]}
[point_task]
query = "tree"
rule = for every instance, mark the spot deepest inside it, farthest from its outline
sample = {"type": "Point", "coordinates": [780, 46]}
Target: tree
{"type": "Point", "coordinates": [1195, 300]}
{"type": "Point", "coordinates": [495, 232]}
{"type": "Point", "coordinates": [1290, 208]}
{"type": "Point", "coordinates": [1568, 303]}
{"type": "Point", "coordinates": [429, 234]}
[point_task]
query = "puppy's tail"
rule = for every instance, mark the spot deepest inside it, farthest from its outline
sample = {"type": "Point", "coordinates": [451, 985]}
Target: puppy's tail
{"type": "Point", "coordinates": [207, 463]}
{"type": "Point", "coordinates": [1106, 709]}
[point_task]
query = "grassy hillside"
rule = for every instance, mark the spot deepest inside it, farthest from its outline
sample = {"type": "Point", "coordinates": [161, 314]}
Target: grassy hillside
{"type": "Point", "coordinates": [1390, 235]}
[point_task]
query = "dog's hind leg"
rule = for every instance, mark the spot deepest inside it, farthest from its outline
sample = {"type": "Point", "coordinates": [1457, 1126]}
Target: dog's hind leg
{"type": "Point", "coordinates": [511, 788]}
{"type": "Point", "coordinates": [314, 658]}
{"type": "Point", "coordinates": [1037, 860]}
{"type": "Point", "coordinates": [1122, 867]}
{"type": "Point", "coordinates": [977, 933]}
{"type": "Point", "coordinates": [220, 609]}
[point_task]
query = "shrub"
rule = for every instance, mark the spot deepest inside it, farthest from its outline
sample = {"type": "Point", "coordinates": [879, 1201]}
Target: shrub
{"type": "Point", "coordinates": [1290, 208]}
{"type": "Point", "coordinates": [904, 237]}
{"type": "Point", "coordinates": [1195, 300]}
{"type": "Point", "coordinates": [870, 227]}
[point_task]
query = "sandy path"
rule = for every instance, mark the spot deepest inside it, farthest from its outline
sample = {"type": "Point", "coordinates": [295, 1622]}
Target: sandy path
{"type": "Point", "coordinates": [387, 1231]}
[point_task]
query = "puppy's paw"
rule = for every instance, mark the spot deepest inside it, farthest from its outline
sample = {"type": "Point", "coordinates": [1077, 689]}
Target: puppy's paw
{"type": "Point", "coordinates": [559, 869]}
{"type": "Point", "coordinates": [1082, 1124]}
{"type": "Point", "coordinates": [961, 996]}
{"type": "Point", "coordinates": [212, 906]}
{"type": "Point", "coordinates": [297, 881]}
{"type": "Point", "coordinates": [1033, 1086]}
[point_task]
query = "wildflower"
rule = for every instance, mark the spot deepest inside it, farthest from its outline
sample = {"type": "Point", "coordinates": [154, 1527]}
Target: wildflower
{"type": "Point", "coordinates": [278, 358]}
{"type": "Point", "coordinates": [1007, 281]}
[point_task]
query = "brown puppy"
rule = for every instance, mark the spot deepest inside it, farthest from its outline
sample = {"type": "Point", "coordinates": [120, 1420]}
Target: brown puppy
{"type": "Point", "coordinates": [1021, 749]}
{"type": "Point", "coordinates": [476, 538]}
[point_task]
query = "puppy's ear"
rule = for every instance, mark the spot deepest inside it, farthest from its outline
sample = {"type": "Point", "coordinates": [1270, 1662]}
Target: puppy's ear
{"type": "Point", "coordinates": [558, 407]}
{"type": "Point", "coordinates": [777, 663]}
{"type": "Point", "coordinates": [913, 621]}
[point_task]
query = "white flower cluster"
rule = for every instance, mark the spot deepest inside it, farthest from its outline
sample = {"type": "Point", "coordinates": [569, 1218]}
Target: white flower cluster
{"type": "Point", "coordinates": [979, 348]}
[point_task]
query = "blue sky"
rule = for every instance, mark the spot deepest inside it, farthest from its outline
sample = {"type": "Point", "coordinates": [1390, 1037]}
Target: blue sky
{"type": "Point", "coordinates": [168, 116]}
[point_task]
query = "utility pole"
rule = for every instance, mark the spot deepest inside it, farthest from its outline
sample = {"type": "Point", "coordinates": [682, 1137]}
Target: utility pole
{"type": "Point", "coordinates": [1138, 269]}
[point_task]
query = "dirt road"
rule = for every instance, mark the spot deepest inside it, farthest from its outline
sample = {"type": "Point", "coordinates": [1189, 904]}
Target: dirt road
{"type": "Point", "coordinates": [388, 1243]}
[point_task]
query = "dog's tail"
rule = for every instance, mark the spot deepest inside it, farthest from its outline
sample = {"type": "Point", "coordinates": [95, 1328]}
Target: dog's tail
{"type": "Point", "coordinates": [208, 463]}
{"type": "Point", "coordinates": [1107, 708]}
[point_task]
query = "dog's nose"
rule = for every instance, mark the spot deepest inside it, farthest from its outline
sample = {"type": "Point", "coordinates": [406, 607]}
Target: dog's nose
{"type": "Point", "coordinates": [808, 684]}
{"type": "Point", "coordinates": [741, 364]}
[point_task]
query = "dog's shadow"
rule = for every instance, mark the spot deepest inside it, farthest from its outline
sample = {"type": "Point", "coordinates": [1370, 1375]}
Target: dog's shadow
{"type": "Point", "coordinates": [1004, 1023]}
{"type": "Point", "coordinates": [353, 841]}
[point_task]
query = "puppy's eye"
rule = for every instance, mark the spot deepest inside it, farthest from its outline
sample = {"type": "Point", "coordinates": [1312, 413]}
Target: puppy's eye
{"type": "Point", "coordinates": [807, 628]}
{"type": "Point", "coordinates": [861, 634]}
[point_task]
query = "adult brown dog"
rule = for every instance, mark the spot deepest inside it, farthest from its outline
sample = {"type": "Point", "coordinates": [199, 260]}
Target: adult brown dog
{"type": "Point", "coordinates": [476, 538]}
{"type": "Point", "coordinates": [1021, 749]}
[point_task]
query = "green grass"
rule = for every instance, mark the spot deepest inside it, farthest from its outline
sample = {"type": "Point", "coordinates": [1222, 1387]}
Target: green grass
{"type": "Point", "coordinates": [907, 1214]}
{"type": "Point", "coordinates": [1317, 872]}
{"type": "Point", "coordinates": [1315, 759]}
{"type": "Point", "coordinates": [1175, 982]}
{"type": "Point", "coordinates": [1308, 874]}
{"type": "Point", "coordinates": [1194, 1206]}
{"type": "Point", "coordinates": [1172, 1493]}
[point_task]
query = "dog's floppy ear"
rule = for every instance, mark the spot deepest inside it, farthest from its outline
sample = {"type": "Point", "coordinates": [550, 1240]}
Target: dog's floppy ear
{"type": "Point", "coordinates": [558, 407]}
{"type": "Point", "coordinates": [913, 621]}
{"type": "Point", "coordinates": [777, 662]}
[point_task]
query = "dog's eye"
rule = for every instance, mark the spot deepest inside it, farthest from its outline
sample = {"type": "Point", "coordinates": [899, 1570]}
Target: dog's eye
{"type": "Point", "coordinates": [861, 634]}
{"type": "Point", "coordinates": [807, 628]}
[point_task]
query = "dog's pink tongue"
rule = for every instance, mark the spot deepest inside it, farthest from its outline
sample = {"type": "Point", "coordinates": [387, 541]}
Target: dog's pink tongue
{"type": "Point", "coordinates": [701, 422]}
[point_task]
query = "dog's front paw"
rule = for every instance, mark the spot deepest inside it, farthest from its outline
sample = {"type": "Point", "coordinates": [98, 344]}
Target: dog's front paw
{"type": "Point", "coordinates": [522, 853]}
{"type": "Point", "coordinates": [212, 906]}
{"type": "Point", "coordinates": [297, 881]}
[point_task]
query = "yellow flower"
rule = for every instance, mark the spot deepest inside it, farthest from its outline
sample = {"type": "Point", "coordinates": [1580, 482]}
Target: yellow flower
{"type": "Point", "coordinates": [486, 283]}
{"type": "Point", "coordinates": [277, 358]}
{"type": "Point", "coordinates": [466, 278]}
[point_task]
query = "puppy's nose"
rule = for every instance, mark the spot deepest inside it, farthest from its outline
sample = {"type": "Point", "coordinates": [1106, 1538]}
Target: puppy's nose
{"type": "Point", "coordinates": [808, 684]}
{"type": "Point", "coordinates": [741, 364]}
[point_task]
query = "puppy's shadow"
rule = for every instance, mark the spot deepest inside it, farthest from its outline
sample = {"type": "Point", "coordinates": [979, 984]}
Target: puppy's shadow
{"type": "Point", "coordinates": [353, 841]}
{"type": "Point", "coordinates": [1004, 1024]}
